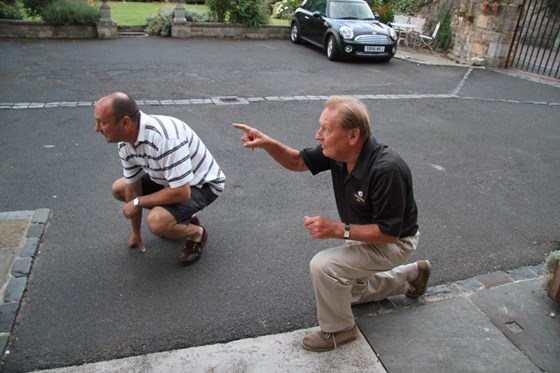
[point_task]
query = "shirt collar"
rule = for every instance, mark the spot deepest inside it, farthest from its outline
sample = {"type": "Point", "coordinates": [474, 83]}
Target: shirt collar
{"type": "Point", "coordinates": [141, 129]}
{"type": "Point", "coordinates": [369, 150]}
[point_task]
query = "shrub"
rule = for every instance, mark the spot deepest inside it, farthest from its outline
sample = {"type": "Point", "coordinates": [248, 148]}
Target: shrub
{"type": "Point", "coordinates": [444, 37]}
{"type": "Point", "coordinates": [405, 7]}
{"type": "Point", "coordinates": [285, 9]}
{"type": "Point", "coordinates": [160, 23]}
{"type": "Point", "coordinates": [218, 8]}
{"type": "Point", "coordinates": [33, 8]}
{"type": "Point", "coordinates": [193, 15]}
{"type": "Point", "coordinates": [251, 13]}
{"type": "Point", "coordinates": [385, 12]}
{"type": "Point", "coordinates": [8, 12]}
{"type": "Point", "coordinates": [63, 12]}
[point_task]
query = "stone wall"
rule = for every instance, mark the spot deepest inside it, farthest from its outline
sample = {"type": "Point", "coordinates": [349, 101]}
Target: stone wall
{"type": "Point", "coordinates": [486, 37]}
{"type": "Point", "coordinates": [482, 32]}
{"type": "Point", "coordinates": [228, 31]}
{"type": "Point", "coordinates": [22, 29]}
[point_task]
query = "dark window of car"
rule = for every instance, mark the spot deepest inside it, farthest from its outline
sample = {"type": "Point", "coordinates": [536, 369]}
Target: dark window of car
{"type": "Point", "coordinates": [350, 10]}
{"type": "Point", "coordinates": [316, 5]}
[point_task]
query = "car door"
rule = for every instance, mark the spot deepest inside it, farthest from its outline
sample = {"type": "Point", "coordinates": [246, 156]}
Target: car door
{"type": "Point", "coordinates": [317, 22]}
{"type": "Point", "coordinates": [311, 22]}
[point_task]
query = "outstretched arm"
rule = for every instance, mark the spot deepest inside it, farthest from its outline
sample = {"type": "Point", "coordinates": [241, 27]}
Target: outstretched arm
{"type": "Point", "coordinates": [284, 155]}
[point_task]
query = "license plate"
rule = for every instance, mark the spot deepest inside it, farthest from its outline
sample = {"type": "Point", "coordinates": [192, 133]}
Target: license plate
{"type": "Point", "coordinates": [370, 48]}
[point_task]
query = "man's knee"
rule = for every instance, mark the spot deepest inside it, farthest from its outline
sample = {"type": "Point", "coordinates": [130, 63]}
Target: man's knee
{"type": "Point", "coordinates": [319, 264]}
{"type": "Point", "coordinates": [118, 189]}
{"type": "Point", "coordinates": [159, 221]}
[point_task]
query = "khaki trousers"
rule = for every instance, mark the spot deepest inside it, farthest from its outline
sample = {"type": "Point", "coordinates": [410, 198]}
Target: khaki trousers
{"type": "Point", "coordinates": [355, 273]}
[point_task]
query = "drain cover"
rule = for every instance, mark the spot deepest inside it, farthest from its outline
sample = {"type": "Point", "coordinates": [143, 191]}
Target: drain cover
{"type": "Point", "coordinates": [229, 100]}
{"type": "Point", "coordinates": [514, 327]}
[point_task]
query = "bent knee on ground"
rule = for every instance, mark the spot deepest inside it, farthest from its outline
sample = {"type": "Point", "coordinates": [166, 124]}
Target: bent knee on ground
{"type": "Point", "coordinates": [321, 263]}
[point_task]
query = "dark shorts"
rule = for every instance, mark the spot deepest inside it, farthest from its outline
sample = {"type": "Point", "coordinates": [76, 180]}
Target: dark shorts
{"type": "Point", "coordinates": [200, 198]}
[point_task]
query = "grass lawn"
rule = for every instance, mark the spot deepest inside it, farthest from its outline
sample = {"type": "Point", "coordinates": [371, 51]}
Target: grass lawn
{"type": "Point", "coordinates": [133, 13]}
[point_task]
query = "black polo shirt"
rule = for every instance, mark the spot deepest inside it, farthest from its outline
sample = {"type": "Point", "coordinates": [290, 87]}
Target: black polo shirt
{"type": "Point", "coordinates": [379, 189]}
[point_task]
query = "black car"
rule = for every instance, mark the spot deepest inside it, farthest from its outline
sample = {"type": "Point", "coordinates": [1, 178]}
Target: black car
{"type": "Point", "coordinates": [343, 28]}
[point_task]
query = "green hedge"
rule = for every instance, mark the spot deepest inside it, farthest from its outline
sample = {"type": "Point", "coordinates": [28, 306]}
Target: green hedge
{"type": "Point", "coordinates": [9, 12]}
{"type": "Point", "coordinates": [251, 13]}
{"type": "Point", "coordinates": [33, 8]}
{"type": "Point", "coordinates": [63, 12]}
{"type": "Point", "coordinates": [218, 8]}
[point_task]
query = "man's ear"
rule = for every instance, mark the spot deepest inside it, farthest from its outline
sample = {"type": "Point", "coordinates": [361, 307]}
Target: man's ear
{"type": "Point", "coordinates": [126, 121]}
{"type": "Point", "coordinates": [355, 136]}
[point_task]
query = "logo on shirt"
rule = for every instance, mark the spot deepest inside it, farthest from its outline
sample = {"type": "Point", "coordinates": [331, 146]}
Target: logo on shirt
{"type": "Point", "coordinates": [359, 197]}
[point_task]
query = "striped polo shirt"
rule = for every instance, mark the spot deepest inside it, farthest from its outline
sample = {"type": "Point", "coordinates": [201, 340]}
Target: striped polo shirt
{"type": "Point", "coordinates": [172, 155]}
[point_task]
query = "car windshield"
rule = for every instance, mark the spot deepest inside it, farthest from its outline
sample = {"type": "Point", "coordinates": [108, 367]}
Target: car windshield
{"type": "Point", "coordinates": [350, 10]}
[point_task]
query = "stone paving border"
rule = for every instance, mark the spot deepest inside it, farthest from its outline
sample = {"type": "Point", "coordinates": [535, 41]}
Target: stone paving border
{"type": "Point", "coordinates": [461, 288]}
{"type": "Point", "coordinates": [20, 269]}
{"type": "Point", "coordinates": [234, 100]}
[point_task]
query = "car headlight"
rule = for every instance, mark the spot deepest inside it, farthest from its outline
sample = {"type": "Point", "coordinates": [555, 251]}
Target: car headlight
{"type": "Point", "coordinates": [346, 32]}
{"type": "Point", "coordinates": [393, 34]}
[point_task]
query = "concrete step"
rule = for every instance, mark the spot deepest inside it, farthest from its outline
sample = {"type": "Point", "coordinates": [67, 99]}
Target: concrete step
{"type": "Point", "coordinates": [131, 31]}
{"type": "Point", "coordinates": [132, 34]}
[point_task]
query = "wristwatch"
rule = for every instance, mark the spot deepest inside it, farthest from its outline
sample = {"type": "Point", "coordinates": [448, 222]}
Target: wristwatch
{"type": "Point", "coordinates": [346, 234]}
{"type": "Point", "coordinates": [136, 202]}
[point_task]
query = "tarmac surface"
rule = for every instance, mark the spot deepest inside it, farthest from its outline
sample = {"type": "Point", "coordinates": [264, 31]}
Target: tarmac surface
{"type": "Point", "coordinates": [495, 322]}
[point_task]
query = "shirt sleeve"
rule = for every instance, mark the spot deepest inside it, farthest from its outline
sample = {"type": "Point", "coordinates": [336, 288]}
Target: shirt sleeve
{"type": "Point", "coordinates": [315, 160]}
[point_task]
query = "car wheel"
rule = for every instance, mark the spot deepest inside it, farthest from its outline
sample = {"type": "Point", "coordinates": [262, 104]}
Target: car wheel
{"type": "Point", "coordinates": [332, 49]}
{"type": "Point", "coordinates": [294, 34]}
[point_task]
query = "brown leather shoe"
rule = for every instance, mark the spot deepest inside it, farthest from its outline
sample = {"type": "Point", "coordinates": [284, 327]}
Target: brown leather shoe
{"type": "Point", "coordinates": [193, 250]}
{"type": "Point", "coordinates": [321, 341]}
{"type": "Point", "coordinates": [418, 287]}
{"type": "Point", "coordinates": [195, 220]}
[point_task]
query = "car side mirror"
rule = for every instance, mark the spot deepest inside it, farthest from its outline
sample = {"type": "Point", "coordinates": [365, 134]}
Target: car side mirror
{"type": "Point", "coordinates": [317, 14]}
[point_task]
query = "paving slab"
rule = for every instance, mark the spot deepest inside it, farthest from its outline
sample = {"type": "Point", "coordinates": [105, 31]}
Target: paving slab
{"type": "Point", "coordinates": [20, 232]}
{"type": "Point", "coordinates": [446, 336]}
{"type": "Point", "coordinates": [12, 234]}
{"type": "Point", "coordinates": [528, 317]}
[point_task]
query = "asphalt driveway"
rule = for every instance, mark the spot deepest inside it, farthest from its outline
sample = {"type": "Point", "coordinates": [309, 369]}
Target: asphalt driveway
{"type": "Point", "coordinates": [482, 147]}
